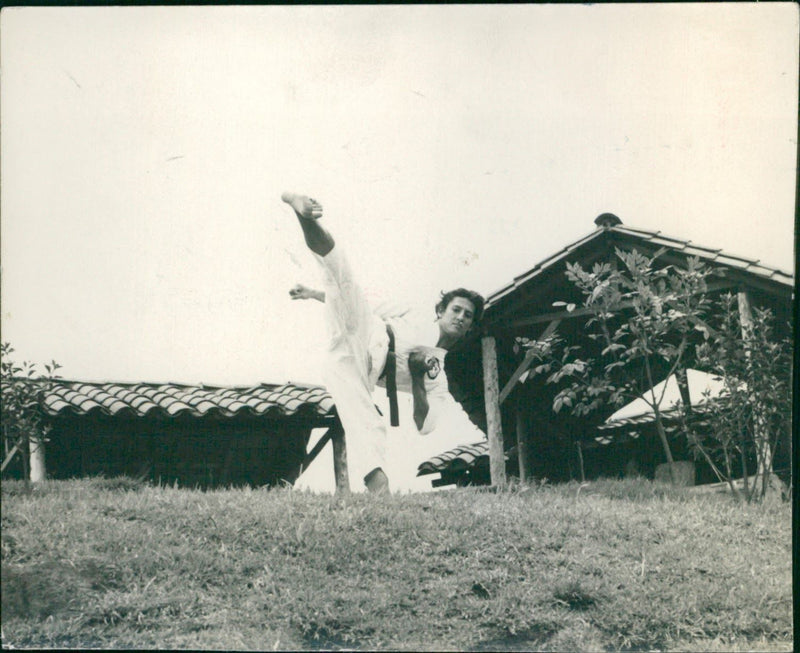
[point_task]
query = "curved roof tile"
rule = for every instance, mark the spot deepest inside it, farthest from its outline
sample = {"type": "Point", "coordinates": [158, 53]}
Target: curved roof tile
{"type": "Point", "coordinates": [171, 400]}
{"type": "Point", "coordinates": [461, 458]}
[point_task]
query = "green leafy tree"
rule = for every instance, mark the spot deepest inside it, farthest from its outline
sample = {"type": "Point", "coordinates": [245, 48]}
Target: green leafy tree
{"type": "Point", "coordinates": [643, 318]}
{"type": "Point", "coordinates": [24, 430]}
{"type": "Point", "coordinates": [747, 420]}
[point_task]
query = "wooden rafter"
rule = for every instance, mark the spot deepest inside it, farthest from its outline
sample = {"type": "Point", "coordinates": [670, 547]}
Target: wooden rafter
{"type": "Point", "coordinates": [526, 362]}
{"type": "Point", "coordinates": [311, 455]}
{"type": "Point", "coordinates": [559, 316]}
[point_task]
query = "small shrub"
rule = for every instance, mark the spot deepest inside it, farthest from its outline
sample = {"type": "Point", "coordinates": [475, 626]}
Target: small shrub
{"type": "Point", "coordinates": [750, 418]}
{"type": "Point", "coordinates": [24, 428]}
{"type": "Point", "coordinates": [642, 319]}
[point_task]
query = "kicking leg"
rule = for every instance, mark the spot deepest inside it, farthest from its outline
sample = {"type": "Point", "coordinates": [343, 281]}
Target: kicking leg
{"type": "Point", "coordinates": [308, 211]}
{"type": "Point", "coordinates": [347, 376]}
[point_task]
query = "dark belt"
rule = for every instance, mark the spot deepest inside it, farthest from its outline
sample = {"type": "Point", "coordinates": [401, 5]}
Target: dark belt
{"type": "Point", "coordinates": [390, 372]}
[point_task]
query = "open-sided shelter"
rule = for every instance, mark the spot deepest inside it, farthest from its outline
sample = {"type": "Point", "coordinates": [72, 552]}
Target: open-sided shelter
{"type": "Point", "coordinates": [525, 435]}
{"type": "Point", "coordinates": [194, 435]}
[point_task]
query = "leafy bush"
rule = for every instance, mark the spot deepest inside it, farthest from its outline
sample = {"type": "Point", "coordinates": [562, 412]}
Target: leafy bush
{"type": "Point", "coordinates": [643, 317]}
{"type": "Point", "coordinates": [753, 413]}
{"type": "Point", "coordinates": [24, 429]}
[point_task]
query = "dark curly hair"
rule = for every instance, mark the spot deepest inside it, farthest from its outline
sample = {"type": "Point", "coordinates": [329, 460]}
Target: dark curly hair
{"type": "Point", "coordinates": [476, 299]}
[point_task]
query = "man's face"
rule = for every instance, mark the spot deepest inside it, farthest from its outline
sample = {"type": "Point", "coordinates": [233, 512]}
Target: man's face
{"type": "Point", "coordinates": [457, 318]}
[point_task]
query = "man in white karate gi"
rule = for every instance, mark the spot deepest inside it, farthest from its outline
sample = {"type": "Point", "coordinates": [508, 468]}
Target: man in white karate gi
{"type": "Point", "coordinates": [367, 348]}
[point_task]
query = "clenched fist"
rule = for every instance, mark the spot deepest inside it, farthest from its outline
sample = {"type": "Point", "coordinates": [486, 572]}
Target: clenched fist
{"type": "Point", "coordinates": [422, 361]}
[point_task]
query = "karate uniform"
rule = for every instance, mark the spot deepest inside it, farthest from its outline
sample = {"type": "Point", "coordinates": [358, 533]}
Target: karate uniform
{"type": "Point", "coordinates": [356, 354]}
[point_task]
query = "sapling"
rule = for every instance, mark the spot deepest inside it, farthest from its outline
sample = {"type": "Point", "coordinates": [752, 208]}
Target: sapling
{"type": "Point", "coordinates": [747, 420]}
{"type": "Point", "coordinates": [24, 428]}
{"type": "Point", "coordinates": [643, 319]}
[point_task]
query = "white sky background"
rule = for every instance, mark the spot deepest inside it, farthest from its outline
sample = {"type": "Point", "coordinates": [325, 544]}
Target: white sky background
{"type": "Point", "coordinates": [144, 151]}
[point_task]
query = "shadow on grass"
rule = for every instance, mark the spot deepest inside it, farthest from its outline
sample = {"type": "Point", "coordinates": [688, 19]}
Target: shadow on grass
{"type": "Point", "coordinates": [39, 591]}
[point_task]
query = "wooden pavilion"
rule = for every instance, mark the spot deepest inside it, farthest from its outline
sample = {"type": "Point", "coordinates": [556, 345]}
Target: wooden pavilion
{"type": "Point", "coordinates": [525, 436]}
{"type": "Point", "coordinates": [194, 435]}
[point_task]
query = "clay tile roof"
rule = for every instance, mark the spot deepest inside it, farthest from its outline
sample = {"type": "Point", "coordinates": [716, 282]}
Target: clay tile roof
{"type": "Point", "coordinates": [461, 458]}
{"type": "Point", "coordinates": [172, 400]}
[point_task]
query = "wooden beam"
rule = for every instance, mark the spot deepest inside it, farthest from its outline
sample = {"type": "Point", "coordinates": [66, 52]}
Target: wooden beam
{"type": "Point", "coordinates": [526, 362]}
{"type": "Point", "coordinates": [340, 458]}
{"type": "Point", "coordinates": [311, 455]}
{"type": "Point", "coordinates": [559, 315]}
{"type": "Point", "coordinates": [717, 286]}
{"type": "Point", "coordinates": [701, 323]}
{"type": "Point", "coordinates": [9, 457]}
{"type": "Point", "coordinates": [497, 460]}
{"type": "Point", "coordinates": [521, 369]}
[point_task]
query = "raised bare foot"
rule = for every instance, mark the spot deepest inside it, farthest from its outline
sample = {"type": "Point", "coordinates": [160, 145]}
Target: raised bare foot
{"type": "Point", "coordinates": [303, 205]}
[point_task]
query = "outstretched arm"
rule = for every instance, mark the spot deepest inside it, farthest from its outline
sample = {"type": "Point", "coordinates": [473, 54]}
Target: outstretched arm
{"type": "Point", "coordinates": [299, 291]}
{"type": "Point", "coordinates": [418, 366]}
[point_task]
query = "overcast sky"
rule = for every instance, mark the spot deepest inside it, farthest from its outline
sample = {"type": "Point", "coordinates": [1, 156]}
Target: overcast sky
{"type": "Point", "coordinates": [144, 151]}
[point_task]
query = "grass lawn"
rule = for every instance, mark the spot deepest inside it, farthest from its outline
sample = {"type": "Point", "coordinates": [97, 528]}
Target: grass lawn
{"type": "Point", "coordinates": [611, 565]}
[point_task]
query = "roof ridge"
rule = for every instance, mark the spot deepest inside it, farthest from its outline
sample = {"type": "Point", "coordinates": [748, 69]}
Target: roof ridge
{"type": "Point", "coordinates": [681, 244]}
{"type": "Point", "coordinates": [719, 250]}
{"type": "Point", "coordinates": [177, 384]}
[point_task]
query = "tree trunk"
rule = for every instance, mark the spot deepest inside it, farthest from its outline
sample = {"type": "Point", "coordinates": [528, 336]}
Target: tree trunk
{"type": "Point", "coordinates": [580, 460]}
{"type": "Point", "coordinates": [662, 434]}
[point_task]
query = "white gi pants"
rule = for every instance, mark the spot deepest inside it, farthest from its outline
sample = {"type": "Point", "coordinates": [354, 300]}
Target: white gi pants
{"type": "Point", "coordinates": [356, 354]}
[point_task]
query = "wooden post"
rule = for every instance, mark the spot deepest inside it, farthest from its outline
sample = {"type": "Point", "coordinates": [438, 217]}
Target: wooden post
{"type": "Point", "coordinates": [340, 458]}
{"type": "Point", "coordinates": [745, 314]}
{"type": "Point", "coordinates": [38, 471]}
{"type": "Point", "coordinates": [522, 446]}
{"type": "Point", "coordinates": [491, 394]}
{"type": "Point", "coordinates": [9, 457]}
